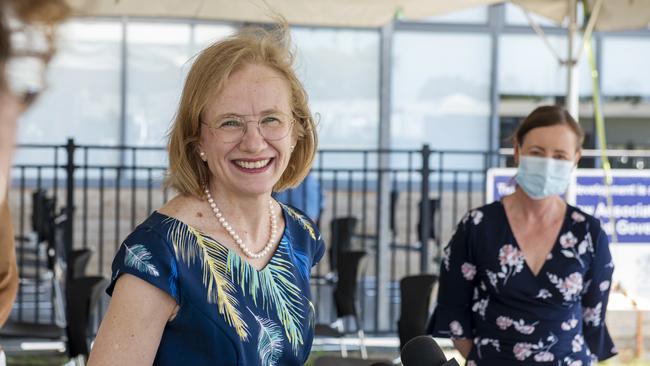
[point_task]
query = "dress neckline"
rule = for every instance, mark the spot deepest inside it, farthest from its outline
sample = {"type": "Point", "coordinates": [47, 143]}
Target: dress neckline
{"type": "Point", "coordinates": [227, 248]}
{"type": "Point", "coordinates": [555, 242]}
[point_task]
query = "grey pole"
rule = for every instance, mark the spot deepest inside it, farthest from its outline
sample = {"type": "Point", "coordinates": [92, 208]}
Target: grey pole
{"type": "Point", "coordinates": [382, 259]}
{"type": "Point", "coordinates": [572, 71]}
{"type": "Point", "coordinates": [497, 20]}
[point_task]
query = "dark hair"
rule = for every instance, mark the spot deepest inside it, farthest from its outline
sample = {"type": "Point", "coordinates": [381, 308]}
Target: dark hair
{"type": "Point", "coordinates": [546, 116]}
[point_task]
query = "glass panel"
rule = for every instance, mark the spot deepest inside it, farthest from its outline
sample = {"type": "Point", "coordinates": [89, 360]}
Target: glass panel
{"type": "Point", "coordinates": [340, 70]}
{"type": "Point", "coordinates": [83, 95]}
{"type": "Point", "coordinates": [625, 66]}
{"type": "Point", "coordinates": [527, 67]}
{"type": "Point", "coordinates": [205, 34]}
{"type": "Point", "coordinates": [156, 54]}
{"type": "Point", "coordinates": [441, 91]}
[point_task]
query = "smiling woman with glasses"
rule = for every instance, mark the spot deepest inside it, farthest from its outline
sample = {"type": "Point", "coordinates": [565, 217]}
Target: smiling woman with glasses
{"type": "Point", "coordinates": [220, 274]}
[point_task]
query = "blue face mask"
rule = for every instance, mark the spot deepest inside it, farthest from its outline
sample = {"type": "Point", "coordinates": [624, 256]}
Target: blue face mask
{"type": "Point", "coordinates": [543, 177]}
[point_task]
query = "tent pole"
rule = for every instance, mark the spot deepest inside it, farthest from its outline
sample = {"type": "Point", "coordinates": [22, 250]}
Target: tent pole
{"type": "Point", "coordinates": [572, 96]}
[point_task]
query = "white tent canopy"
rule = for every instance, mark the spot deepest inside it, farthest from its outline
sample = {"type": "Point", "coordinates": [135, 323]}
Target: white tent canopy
{"type": "Point", "coordinates": [337, 13]}
{"type": "Point", "coordinates": [615, 14]}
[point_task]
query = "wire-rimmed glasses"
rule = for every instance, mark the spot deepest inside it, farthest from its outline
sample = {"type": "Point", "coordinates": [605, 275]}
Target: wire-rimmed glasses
{"type": "Point", "coordinates": [232, 127]}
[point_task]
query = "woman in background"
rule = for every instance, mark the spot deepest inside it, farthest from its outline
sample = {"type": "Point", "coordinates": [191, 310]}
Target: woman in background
{"type": "Point", "coordinates": [526, 279]}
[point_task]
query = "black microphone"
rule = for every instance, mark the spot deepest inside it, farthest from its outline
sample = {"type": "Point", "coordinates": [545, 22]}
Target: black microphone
{"type": "Point", "coordinates": [424, 351]}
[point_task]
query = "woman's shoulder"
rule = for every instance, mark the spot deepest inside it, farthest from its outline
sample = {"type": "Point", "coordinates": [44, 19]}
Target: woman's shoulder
{"type": "Point", "coordinates": [151, 232]}
{"type": "Point", "coordinates": [182, 207]}
{"type": "Point", "coordinates": [590, 225]}
{"type": "Point", "coordinates": [578, 216]}
{"type": "Point", "coordinates": [155, 228]}
{"type": "Point", "coordinates": [478, 215]}
{"type": "Point", "coordinates": [303, 234]}
{"type": "Point", "coordinates": [490, 208]}
{"type": "Point", "coordinates": [298, 221]}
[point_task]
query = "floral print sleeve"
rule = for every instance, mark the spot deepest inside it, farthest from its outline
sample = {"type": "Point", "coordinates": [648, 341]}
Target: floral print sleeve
{"type": "Point", "coordinates": [147, 255]}
{"type": "Point", "coordinates": [452, 317]}
{"type": "Point", "coordinates": [594, 300]}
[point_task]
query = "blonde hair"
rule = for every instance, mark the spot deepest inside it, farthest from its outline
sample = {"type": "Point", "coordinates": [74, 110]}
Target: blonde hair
{"type": "Point", "coordinates": [187, 173]}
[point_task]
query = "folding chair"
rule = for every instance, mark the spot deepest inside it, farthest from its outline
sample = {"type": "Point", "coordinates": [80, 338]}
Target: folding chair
{"type": "Point", "coordinates": [414, 310]}
{"type": "Point", "coordinates": [351, 267]}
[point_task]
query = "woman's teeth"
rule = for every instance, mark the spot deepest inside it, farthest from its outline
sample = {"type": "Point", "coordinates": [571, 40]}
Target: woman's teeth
{"type": "Point", "coordinates": [253, 164]}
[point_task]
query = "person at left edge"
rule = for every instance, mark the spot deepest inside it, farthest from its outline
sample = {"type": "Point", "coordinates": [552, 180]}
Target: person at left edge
{"type": "Point", "coordinates": [23, 63]}
{"type": "Point", "coordinates": [220, 274]}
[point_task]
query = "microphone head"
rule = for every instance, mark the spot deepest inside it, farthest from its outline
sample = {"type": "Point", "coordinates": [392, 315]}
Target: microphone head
{"type": "Point", "coordinates": [422, 351]}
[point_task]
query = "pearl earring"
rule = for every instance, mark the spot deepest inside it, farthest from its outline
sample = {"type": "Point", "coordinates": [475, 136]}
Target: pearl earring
{"type": "Point", "coordinates": [202, 155]}
{"type": "Point", "coordinates": [292, 147]}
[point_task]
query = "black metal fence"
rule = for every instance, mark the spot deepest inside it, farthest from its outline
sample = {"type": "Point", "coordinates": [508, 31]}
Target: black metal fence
{"type": "Point", "coordinates": [106, 191]}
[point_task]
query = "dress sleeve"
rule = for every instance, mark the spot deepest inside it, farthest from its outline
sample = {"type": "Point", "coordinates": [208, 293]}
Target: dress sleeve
{"type": "Point", "coordinates": [319, 250]}
{"type": "Point", "coordinates": [452, 317]}
{"type": "Point", "coordinates": [594, 301]}
{"type": "Point", "coordinates": [148, 256]}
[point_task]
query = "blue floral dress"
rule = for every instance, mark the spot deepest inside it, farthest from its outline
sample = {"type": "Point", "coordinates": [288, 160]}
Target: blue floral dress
{"type": "Point", "coordinates": [488, 293]}
{"type": "Point", "coordinates": [229, 312]}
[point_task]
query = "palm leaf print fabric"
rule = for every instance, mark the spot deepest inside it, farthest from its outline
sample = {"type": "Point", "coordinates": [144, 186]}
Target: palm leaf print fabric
{"type": "Point", "coordinates": [229, 312]}
{"type": "Point", "coordinates": [189, 245]}
{"type": "Point", "coordinates": [269, 343]}
{"type": "Point", "coordinates": [138, 257]}
{"type": "Point", "coordinates": [276, 286]}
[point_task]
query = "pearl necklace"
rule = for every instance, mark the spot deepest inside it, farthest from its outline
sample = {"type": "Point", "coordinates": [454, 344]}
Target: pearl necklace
{"type": "Point", "coordinates": [235, 236]}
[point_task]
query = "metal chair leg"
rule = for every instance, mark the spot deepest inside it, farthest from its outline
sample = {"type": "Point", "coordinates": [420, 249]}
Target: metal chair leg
{"type": "Point", "coordinates": [362, 344]}
{"type": "Point", "coordinates": [344, 348]}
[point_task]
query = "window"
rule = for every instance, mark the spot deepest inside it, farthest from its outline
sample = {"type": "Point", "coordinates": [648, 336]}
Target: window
{"type": "Point", "coordinates": [527, 67]}
{"type": "Point", "coordinates": [441, 91]}
{"type": "Point", "coordinates": [340, 70]}
{"type": "Point", "coordinates": [625, 66]}
{"type": "Point", "coordinates": [83, 95]}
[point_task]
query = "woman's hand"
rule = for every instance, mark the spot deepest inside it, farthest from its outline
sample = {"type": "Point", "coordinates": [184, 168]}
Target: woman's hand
{"type": "Point", "coordinates": [133, 325]}
{"type": "Point", "coordinates": [464, 346]}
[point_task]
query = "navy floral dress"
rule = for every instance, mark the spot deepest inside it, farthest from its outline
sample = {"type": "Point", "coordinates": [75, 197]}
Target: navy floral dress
{"type": "Point", "coordinates": [229, 312]}
{"type": "Point", "coordinates": [488, 293]}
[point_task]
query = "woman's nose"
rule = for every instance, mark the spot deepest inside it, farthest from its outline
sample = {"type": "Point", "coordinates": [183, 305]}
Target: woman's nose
{"type": "Point", "coordinates": [252, 140]}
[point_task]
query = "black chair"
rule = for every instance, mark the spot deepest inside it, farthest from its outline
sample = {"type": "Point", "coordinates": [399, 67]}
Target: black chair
{"type": "Point", "coordinates": [414, 310]}
{"type": "Point", "coordinates": [352, 266]}
{"type": "Point", "coordinates": [74, 296]}
{"type": "Point", "coordinates": [341, 231]}
{"type": "Point", "coordinates": [394, 199]}
{"type": "Point", "coordinates": [83, 295]}
{"type": "Point", "coordinates": [434, 205]}
{"type": "Point", "coordinates": [43, 215]}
